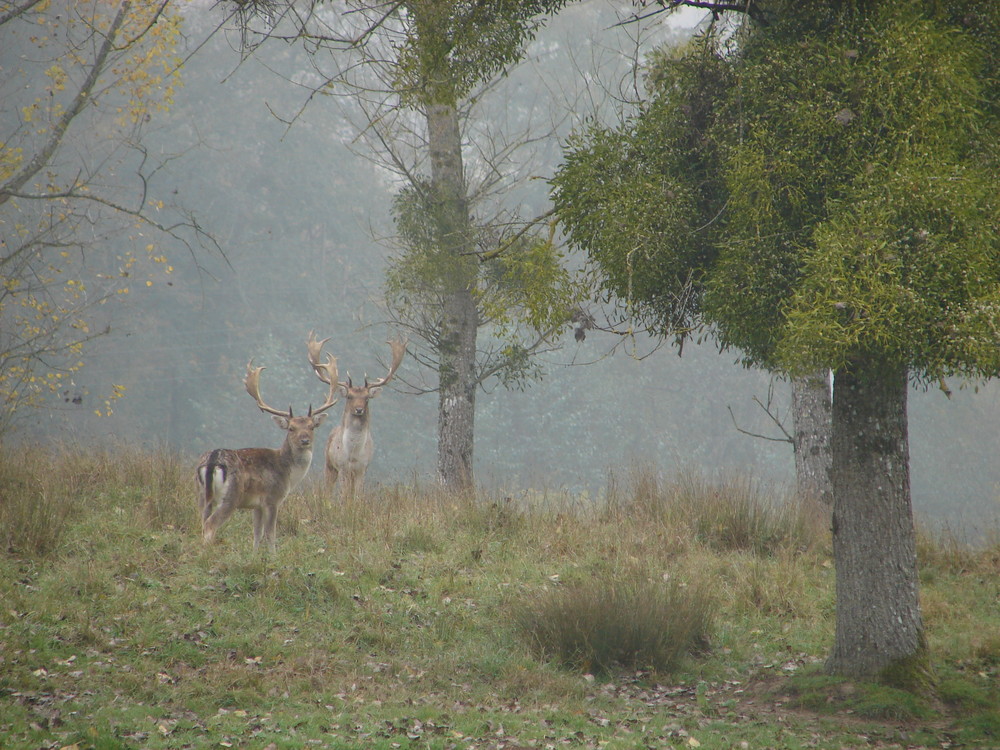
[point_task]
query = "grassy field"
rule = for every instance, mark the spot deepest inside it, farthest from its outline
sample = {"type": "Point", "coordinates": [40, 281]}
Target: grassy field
{"type": "Point", "coordinates": [671, 613]}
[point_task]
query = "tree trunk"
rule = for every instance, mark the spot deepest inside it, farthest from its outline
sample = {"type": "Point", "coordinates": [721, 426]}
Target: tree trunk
{"type": "Point", "coordinates": [879, 631]}
{"type": "Point", "coordinates": [811, 405]}
{"type": "Point", "coordinates": [459, 317]}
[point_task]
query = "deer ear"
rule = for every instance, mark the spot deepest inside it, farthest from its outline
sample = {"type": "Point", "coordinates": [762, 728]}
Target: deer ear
{"type": "Point", "coordinates": [282, 422]}
{"type": "Point", "coordinates": [373, 392]}
{"type": "Point", "coordinates": [318, 419]}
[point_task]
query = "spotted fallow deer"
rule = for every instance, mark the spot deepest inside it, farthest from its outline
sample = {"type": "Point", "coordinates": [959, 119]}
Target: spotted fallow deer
{"type": "Point", "coordinates": [259, 479]}
{"type": "Point", "coordinates": [350, 446]}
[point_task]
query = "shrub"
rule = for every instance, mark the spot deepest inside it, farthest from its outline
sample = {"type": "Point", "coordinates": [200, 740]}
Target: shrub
{"type": "Point", "coordinates": [605, 625]}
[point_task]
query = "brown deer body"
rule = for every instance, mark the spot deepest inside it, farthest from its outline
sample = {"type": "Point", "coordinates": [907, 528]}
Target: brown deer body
{"type": "Point", "coordinates": [350, 446]}
{"type": "Point", "coordinates": [259, 479]}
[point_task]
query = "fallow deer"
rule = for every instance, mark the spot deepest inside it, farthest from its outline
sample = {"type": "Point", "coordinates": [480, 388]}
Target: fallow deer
{"type": "Point", "coordinates": [350, 446]}
{"type": "Point", "coordinates": [259, 479]}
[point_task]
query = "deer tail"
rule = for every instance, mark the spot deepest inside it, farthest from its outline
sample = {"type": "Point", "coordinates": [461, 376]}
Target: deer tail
{"type": "Point", "coordinates": [212, 476]}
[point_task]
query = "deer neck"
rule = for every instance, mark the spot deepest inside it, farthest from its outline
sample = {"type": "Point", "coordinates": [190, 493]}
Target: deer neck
{"type": "Point", "coordinates": [296, 457]}
{"type": "Point", "coordinates": [356, 424]}
{"type": "Point", "coordinates": [296, 461]}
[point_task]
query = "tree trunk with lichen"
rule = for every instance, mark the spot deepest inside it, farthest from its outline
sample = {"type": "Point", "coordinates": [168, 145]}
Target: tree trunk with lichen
{"type": "Point", "coordinates": [879, 630]}
{"type": "Point", "coordinates": [811, 416]}
{"type": "Point", "coordinates": [459, 321]}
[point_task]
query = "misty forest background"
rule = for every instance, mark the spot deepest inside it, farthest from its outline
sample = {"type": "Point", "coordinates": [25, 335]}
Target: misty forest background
{"type": "Point", "coordinates": [302, 220]}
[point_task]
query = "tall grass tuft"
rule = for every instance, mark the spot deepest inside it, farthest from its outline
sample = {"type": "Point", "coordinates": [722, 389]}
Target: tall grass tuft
{"type": "Point", "coordinates": [33, 509]}
{"type": "Point", "coordinates": [610, 624]}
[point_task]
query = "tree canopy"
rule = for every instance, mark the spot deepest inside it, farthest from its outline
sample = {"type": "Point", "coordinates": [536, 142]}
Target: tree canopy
{"type": "Point", "coordinates": [828, 192]}
{"type": "Point", "coordinates": [821, 191]}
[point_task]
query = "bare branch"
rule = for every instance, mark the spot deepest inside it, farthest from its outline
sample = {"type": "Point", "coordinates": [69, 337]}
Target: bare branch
{"type": "Point", "coordinates": [16, 10]}
{"type": "Point", "coordinates": [747, 7]}
{"type": "Point", "coordinates": [82, 98]}
{"type": "Point", "coordinates": [517, 236]}
{"type": "Point", "coordinates": [788, 437]}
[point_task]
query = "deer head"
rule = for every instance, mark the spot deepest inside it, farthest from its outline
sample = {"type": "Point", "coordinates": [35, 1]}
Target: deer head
{"type": "Point", "coordinates": [356, 396]}
{"type": "Point", "coordinates": [300, 429]}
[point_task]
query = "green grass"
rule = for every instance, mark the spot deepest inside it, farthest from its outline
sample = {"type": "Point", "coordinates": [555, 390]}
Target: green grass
{"type": "Point", "coordinates": [416, 619]}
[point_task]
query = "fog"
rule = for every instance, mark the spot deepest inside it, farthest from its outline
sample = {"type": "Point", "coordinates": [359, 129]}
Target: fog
{"type": "Point", "coordinates": [300, 216]}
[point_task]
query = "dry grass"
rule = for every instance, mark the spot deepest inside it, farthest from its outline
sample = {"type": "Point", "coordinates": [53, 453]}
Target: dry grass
{"type": "Point", "coordinates": [735, 514]}
{"type": "Point", "coordinates": [35, 505]}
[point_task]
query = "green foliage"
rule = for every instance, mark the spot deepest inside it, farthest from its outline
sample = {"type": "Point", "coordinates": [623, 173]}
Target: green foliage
{"type": "Point", "coordinates": [526, 294]}
{"type": "Point", "coordinates": [452, 46]}
{"type": "Point", "coordinates": [897, 218]}
{"type": "Point", "coordinates": [530, 276]}
{"type": "Point", "coordinates": [642, 199]}
{"type": "Point", "coordinates": [523, 294]}
{"type": "Point", "coordinates": [428, 269]}
{"type": "Point", "coordinates": [855, 210]}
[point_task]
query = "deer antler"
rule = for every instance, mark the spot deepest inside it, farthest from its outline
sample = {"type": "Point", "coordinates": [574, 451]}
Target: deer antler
{"type": "Point", "coordinates": [325, 371]}
{"type": "Point", "coordinates": [252, 382]}
{"type": "Point", "coordinates": [398, 350]}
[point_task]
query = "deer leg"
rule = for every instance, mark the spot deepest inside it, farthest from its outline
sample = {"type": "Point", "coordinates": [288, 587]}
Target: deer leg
{"type": "Point", "coordinates": [270, 525]}
{"type": "Point", "coordinates": [207, 506]}
{"type": "Point", "coordinates": [259, 521]}
{"type": "Point", "coordinates": [331, 474]}
{"type": "Point", "coordinates": [212, 523]}
{"type": "Point", "coordinates": [331, 480]}
{"type": "Point", "coordinates": [347, 486]}
{"type": "Point", "coordinates": [206, 500]}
